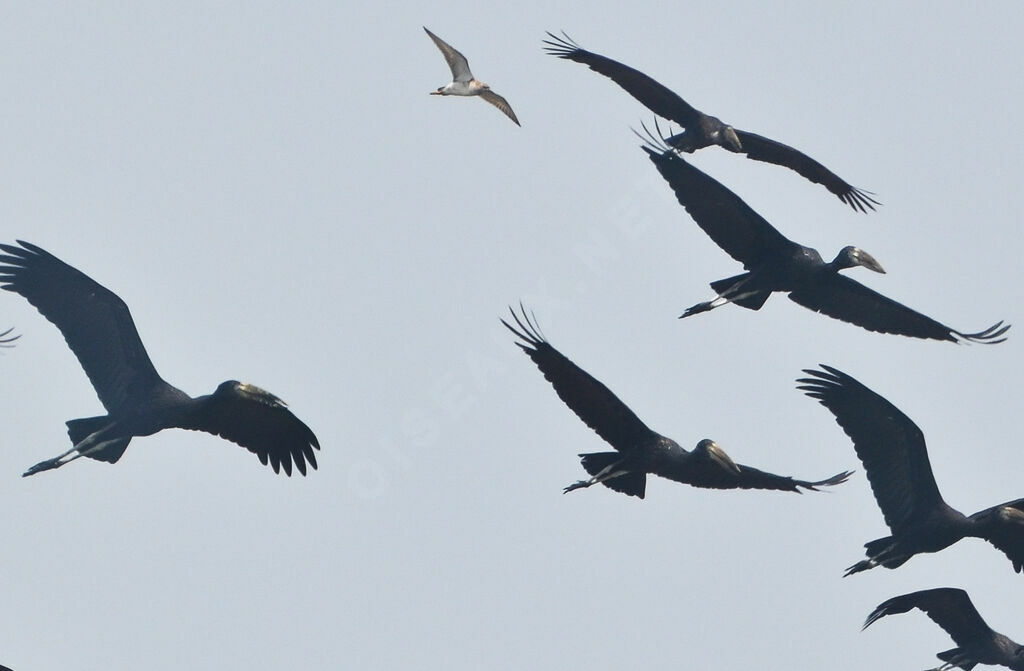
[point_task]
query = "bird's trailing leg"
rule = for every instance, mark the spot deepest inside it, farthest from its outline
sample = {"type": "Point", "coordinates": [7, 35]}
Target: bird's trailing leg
{"type": "Point", "coordinates": [56, 462]}
{"type": "Point", "coordinates": [730, 295]}
{"type": "Point", "coordinates": [862, 565]}
{"type": "Point", "coordinates": [91, 443]}
{"type": "Point", "coordinates": [607, 473]}
{"type": "Point", "coordinates": [881, 552]}
{"type": "Point", "coordinates": [955, 663]}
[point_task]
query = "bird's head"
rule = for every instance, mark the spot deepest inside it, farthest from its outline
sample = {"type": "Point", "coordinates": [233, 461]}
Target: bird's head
{"type": "Point", "coordinates": [710, 449]}
{"type": "Point", "coordinates": [850, 256]}
{"type": "Point", "coordinates": [732, 139]}
{"type": "Point", "coordinates": [247, 391]}
{"type": "Point", "coordinates": [438, 92]}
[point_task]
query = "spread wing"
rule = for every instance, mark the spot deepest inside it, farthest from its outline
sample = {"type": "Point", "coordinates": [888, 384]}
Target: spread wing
{"type": "Point", "coordinates": [258, 421]}
{"type": "Point", "coordinates": [888, 443]}
{"type": "Point", "coordinates": [457, 63]}
{"type": "Point", "coordinates": [499, 102]}
{"type": "Point", "coordinates": [592, 402]}
{"type": "Point", "coordinates": [731, 223]}
{"type": "Point", "coordinates": [765, 149]}
{"type": "Point", "coordinates": [948, 607]}
{"type": "Point", "coordinates": [654, 96]}
{"type": "Point", "coordinates": [840, 297]}
{"type": "Point", "coordinates": [1003, 527]}
{"type": "Point", "coordinates": [712, 476]}
{"type": "Point", "coordinates": [95, 323]}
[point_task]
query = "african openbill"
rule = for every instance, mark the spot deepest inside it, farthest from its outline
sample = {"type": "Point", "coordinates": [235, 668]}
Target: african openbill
{"type": "Point", "coordinates": [702, 130]}
{"type": "Point", "coordinates": [951, 609]}
{"type": "Point", "coordinates": [775, 263]}
{"type": "Point", "coordinates": [639, 450]}
{"type": "Point", "coordinates": [895, 458]}
{"type": "Point", "coordinates": [99, 329]}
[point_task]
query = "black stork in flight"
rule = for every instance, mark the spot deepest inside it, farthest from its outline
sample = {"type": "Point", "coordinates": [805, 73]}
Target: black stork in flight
{"type": "Point", "coordinates": [951, 609]}
{"type": "Point", "coordinates": [895, 458]}
{"type": "Point", "coordinates": [100, 331]}
{"type": "Point", "coordinates": [639, 450]}
{"type": "Point", "coordinates": [702, 130]}
{"type": "Point", "coordinates": [776, 263]}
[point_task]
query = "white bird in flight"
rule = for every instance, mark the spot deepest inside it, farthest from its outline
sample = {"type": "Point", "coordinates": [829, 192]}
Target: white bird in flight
{"type": "Point", "coordinates": [464, 83]}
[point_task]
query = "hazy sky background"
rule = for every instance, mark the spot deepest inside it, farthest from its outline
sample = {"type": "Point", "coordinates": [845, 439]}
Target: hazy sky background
{"type": "Point", "coordinates": [273, 193]}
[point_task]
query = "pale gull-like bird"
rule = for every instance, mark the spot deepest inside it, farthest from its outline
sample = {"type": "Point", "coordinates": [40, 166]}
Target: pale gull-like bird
{"type": "Point", "coordinates": [464, 83]}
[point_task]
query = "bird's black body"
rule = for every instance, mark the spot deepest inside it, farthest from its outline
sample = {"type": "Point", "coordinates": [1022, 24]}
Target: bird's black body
{"type": "Point", "coordinates": [639, 450]}
{"type": "Point", "coordinates": [775, 263]}
{"type": "Point", "coordinates": [952, 610]}
{"type": "Point", "coordinates": [895, 457]}
{"type": "Point", "coordinates": [100, 331]}
{"type": "Point", "coordinates": [703, 130]}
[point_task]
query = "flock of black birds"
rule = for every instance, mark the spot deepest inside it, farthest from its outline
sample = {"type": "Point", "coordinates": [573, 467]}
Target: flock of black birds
{"type": "Point", "coordinates": [99, 330]}
{"type": "Point", "coordinates": [889, 445]}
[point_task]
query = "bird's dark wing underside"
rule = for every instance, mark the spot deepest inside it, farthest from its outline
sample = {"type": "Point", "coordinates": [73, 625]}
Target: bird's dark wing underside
{"type": "Point", "coordinates": [700, 473]}
{"type": "Point", "coordinates": [654, 96]}
{"type": "Point", "coordinates": [732, 224]}
{"type": "Point", "coordinates": [850, 301]}
{"type": "Point", "coordinates": [760, 148]}
{"type": "Point", "coordinates": [1006, 535]}
{"type": "Point", "coordinates": [592, 402]}
{"type": "Point", "coordinates": [259, 422]}
{"type": "Point", "coordinates": [948, 607]}
{"type": "Point", "coordinates": [891, 447]}
{"type": "Point", "coordinates": [95, 322]}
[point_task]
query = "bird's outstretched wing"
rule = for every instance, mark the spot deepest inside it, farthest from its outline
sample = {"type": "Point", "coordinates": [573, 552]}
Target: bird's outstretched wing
{"type": "Point", "coordinates": [592, 402]}
{"type": "Point", "coordinates": [1003, 527]}
{"type": "Point", "coordinates": [457, 63]}
{"type": "Point", "coordinates": [6, 339]}
{"type": "Point", "coordinates": [711, 476]}
{"type": "Point", "coordinates": [850, 301]}
{"type": "Point", "coordinates": [654, 96]}
{"type": "Point", "coordinates": [888, 443]}
{"type": "Point", "coordinates": [761, 148]}
{"type": "Point", "coordinates": [95, 323]}
{"type": "Point", "coordinates": [258, 421]}
{"type": "Point", "coordinates": [948, 607]}
{"type": "Point", "coordinates": [500, 103]}
{"type": "Point", "coordinates": [733, 225]}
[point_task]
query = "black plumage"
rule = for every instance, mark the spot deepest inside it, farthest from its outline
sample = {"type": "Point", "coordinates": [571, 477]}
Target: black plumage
{"type": "Point", "coordinates": [702, 130]}
{"type": "Point", "coordinates": [775, 263]}
{"type": "Point", "coordinates": [951, 609]}
{"type": "Point", "coordinates": [639, 450]}
{"type": "Point", "coordinates": [100, 331]}
{"type": "Point", "coordinates": [895, 457]}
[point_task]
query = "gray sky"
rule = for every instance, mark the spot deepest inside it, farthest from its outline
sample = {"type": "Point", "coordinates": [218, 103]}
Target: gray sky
{"type": "Point", "coordinates": [277, 199]}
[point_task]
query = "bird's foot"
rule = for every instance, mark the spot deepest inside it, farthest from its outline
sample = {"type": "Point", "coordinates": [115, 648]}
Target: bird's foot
{"type": "Point", "coordinates": [43, 466]}
{"type": "Point", "coordinates": [579, 484]}
{"type": "Point", "coordinates": [862, 565]}
{"type": "Point", "coordinates": [696, 309]}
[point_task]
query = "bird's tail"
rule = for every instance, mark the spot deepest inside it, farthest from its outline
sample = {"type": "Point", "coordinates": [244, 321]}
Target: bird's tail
{"type": "Point", "coordinates": [80, 429]}
{"type": "Point", "coordinates": [732, 286]}
{"type": "Point", "coordinates": [950, 655]}
{"type": "Point", "coordinates": [633, 483]}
